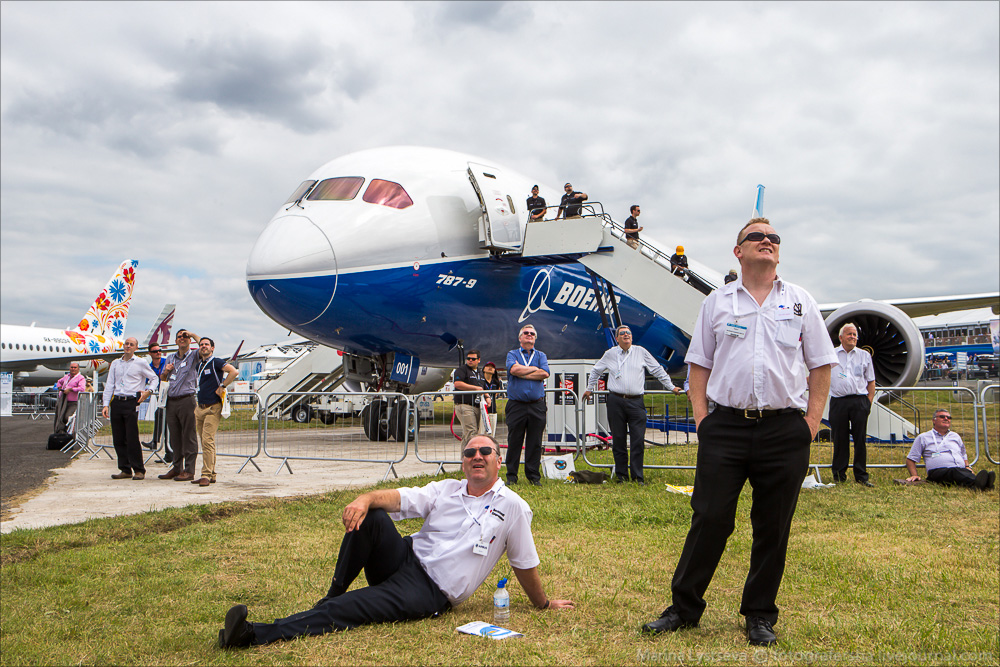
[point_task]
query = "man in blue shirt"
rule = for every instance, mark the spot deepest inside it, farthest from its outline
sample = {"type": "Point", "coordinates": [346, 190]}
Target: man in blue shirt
{"type": "Point", "coordinates": [527, 369]}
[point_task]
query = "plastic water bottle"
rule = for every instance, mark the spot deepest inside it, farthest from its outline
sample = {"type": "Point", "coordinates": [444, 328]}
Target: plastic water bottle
{"type": "Point", "coordinates": [501, 603]}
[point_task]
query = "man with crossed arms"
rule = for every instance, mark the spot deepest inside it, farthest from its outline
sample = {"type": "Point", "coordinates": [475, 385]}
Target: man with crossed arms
{"type": "Point", "coordinates": [626, 365]}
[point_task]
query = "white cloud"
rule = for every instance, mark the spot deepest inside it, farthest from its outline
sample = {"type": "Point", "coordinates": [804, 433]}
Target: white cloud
{"type": "Point", "coordinates": [171, 132]}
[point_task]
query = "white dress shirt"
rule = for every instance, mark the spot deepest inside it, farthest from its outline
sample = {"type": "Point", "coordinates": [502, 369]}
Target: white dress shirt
{"type": "Point", "coordinates": [454, 522]}
{"type": "Point", "coordinates": [626, 370]}
{"type": "Point", "coordinates": [853, 372]}
{"type": "Point", "coordinates": [760, 355]}
{"type": "Point", "coordinates": [128, 378]}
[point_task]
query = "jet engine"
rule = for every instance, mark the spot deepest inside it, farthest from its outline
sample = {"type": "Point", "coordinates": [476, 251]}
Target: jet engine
{"type": "Point", "coordinates": [888, 334]}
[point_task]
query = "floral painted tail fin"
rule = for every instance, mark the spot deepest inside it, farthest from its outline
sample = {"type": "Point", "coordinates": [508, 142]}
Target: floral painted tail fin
{"type": "Point", "coordinates": [109, 311]}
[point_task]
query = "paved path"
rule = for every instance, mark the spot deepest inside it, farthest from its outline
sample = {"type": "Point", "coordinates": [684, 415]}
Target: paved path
{"type": "Point", "coordinates": [83, 489]}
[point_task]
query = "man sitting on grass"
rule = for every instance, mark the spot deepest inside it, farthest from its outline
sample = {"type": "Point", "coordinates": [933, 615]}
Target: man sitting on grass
{"type": "Point", "coordinates": [945, 458]}
{"type": "Point", "coordinates": [468, 525]}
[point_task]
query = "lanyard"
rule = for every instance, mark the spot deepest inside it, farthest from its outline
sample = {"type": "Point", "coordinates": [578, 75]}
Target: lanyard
{"type": "Point", "coordinates": [530, 359]}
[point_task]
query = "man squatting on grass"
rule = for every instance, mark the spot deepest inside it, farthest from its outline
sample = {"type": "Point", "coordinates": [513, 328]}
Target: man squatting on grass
{"type": "Point", "coordinates": [468, 525]}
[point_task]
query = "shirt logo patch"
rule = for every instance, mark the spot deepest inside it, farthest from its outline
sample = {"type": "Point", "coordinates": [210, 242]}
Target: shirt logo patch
{"type": "Point", "coordinates": [797, 309]}
{"type": "Point", "coordinates": [497, 513]}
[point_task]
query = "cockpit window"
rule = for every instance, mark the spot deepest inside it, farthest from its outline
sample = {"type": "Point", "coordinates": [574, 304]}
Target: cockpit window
{"type": "Point", "coordinates": [300, 191]}
{"type": "Point", "coordinates": [337, 189]}
{"type": "Point", "coordinates": [387, 193]}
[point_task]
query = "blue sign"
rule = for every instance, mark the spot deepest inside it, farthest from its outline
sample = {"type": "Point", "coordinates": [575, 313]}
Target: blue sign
{"type": "Point", "coordinates": [404, 369]}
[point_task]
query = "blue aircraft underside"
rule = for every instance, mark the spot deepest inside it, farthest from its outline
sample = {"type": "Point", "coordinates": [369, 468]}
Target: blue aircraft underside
{"type": "Point", "coordinates": [436, 305]}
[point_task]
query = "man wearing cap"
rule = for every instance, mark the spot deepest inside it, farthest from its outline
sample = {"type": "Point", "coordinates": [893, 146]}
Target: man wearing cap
{"type": "Point", "coordinates": [852, 390]}
{"type": "Point", "coordinates": [626, 365]}
{"type": "Point", "coordinates": [679, 262]}
{"type": "Point", "coordinates": [535, 205]}
{"type": "Point", "coordinates": [632, 227]}
{"type": "Point", "coordinates": [468, 525]}
{"type": "Point", "coordinates": [757, 345]}
{"type": "Point", "coordinates": [571, 203]}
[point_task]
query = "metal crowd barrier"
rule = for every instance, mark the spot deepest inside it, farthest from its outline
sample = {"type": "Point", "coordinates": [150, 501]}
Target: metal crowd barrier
{"type": "Point", "coordinates": [438, 440]}
{"type": "Point", "coordinates": [33, 403]}
{"type": "Point", "coordinates": [338, 426]}
{"type": "Point", "coordinates": [241, 434]}
{"type": "Point", "coordinates": [669, 429]}
{"type": "Point", "coordinates": [989, 400]}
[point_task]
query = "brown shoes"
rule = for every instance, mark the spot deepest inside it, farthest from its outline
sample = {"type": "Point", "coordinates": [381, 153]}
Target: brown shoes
{"type": "Point", "coordinates": [170, 474]}
{"type": "Point", "coordinates": [204, 481]}
{"type": "Point", "coordinates": [139, 475]}
{"type": "Point", "coordinates": [184, 477]}
{"type": "Point", "coordinates": [122, 475]}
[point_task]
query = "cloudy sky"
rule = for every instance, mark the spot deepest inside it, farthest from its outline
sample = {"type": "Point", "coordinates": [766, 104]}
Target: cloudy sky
{"type": "Point", "coordinates": [171, 132]}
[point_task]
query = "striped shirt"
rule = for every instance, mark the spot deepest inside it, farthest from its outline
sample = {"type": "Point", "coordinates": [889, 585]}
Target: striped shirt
{"type": "Point", "coordinates": [627, 369]}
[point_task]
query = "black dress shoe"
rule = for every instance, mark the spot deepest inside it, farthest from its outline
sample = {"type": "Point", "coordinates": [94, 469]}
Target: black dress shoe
{"type": "Point", "coordinates": [511, 481]}
{"type": "Point", "coordinates": [669, 621]}
{"type": "Point", "coordinates": [534, 482]}
{"type": "Point", "coordinates": [991, 481]}
{"type": "Point", "coordinates": [760, 632]}
{"type": "Point", "coordinates": [866, 483]}
{"type": "Point", "coordinates": [981, 483]}
{"type": "Point", "coordinates": [237, 633]}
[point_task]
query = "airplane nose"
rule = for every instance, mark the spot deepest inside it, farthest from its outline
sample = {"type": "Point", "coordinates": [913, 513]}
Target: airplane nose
{"type": "Point", "coordinates": [291, 244]}
{"type": "Point", "coordinates": [295, 258]}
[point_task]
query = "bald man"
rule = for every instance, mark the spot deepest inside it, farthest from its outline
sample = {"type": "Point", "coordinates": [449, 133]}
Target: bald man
{"type": "Point", "coordinates": [69, 386]}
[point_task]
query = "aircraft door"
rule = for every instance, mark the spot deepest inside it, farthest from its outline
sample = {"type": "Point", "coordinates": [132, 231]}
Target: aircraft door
{"type": "Point", "coordinates": [501, 223]}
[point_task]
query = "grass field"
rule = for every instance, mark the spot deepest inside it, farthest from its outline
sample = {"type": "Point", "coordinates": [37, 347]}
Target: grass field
{"type": "Point", "coordinates": [890, 575]}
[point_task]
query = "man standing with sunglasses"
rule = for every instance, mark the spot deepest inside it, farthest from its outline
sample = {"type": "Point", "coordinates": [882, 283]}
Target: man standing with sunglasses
{"type": "Point", "coordinates": [527, 369]}
{"type": "Point", "coordinates": [181, 370]}
{"type": "Point", "coordinates": [759, 343]}
{"type": "Point", "coordinates": [468, 378]}
{"type": "Point", "coordinates": [468, 525]}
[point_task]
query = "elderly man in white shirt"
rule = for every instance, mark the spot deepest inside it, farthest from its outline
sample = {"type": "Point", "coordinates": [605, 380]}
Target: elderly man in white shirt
{"type": "Point", "coordinates": [626, 365]}
{"type": "Point", "coordinates": [468, 525]}
{"type": "Point", "coordinates": [758, 344]}
{"type": "Point", "coordinates": [852, 390]}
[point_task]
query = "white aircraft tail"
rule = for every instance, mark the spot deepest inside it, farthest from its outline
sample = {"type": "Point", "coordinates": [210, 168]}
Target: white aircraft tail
{"type": "Point", "coordinates": [159, 333]}
{"type": "Point", "coordinates": [108, 313]}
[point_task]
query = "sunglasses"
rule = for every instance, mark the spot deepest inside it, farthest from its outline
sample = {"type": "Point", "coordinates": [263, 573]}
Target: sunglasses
{"type": "Point", "coordinates": [154, 352]}
{"type": "Point", "coordinates": [760, 236]}
{"type": "Point", "coordinates": [528, 333]}
{"type": "Point", "coordinates": [471, 451]}
{"type": "Point", "coordinates": [944, 416]}
{"type": "Point", "coordinates": [472, 358]}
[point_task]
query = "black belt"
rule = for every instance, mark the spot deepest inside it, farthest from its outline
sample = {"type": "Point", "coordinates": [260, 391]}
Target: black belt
{"type": "Point", "coordinates": [851, 396]}
{"type": "Point", "coordinates": [537, 400]}
{"type": "Point", "coordinates": [121, 397]}
{"type": "Point", "coordinates": [181, 396]}
{"type": "Point", "coordinates": [615, 393]}
{"type": "Point", "coordinates": [756, 414]}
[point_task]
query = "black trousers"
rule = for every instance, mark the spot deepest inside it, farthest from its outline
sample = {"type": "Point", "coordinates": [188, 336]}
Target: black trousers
{"type": "Point", "coordinates": [183, 438]}
{"type": "Point", "coordinates": [849, 417]}
{"type": "Point", "coordinates": [952, 476]}
{"type": "Point", "coordinates": [398, 587]}
{"type": "Point", "coordinates": [124, 418]}
{"type": "Point", "coordinates": [627, 419]}
{"type": "Point", "coordinates": [773, 454]}
{"type": "Point", "coordinates": [525, 426]}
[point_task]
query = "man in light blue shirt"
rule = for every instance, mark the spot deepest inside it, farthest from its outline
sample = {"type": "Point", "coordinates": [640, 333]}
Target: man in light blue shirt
{"type": "Point", "coordinates": [944, 457]}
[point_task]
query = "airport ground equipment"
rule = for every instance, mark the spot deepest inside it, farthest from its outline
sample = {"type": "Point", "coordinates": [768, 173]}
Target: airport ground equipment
{"type": "Point", "coordinates": [320, 369]}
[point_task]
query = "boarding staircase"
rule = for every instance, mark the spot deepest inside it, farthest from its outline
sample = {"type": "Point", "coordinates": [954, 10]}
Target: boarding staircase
{"type": "Point", "coordinates": [320, 369]}
{"type": "Point", "coordinates": [598, 242]}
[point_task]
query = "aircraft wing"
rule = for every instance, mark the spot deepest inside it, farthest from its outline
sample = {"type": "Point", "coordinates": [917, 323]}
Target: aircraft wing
{"type": "Point", "coordinates": [934, 305]}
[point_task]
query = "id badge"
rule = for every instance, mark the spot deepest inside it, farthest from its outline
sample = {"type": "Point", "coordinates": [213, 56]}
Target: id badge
{"type": "Point", "coordinates": [480, 548]}
{"type": "Point", "coordinates": [173, 376]}
{"type": "Point", "coordinates": [783, 313]}
{"type": "Point", "coordinates": [736, 330]}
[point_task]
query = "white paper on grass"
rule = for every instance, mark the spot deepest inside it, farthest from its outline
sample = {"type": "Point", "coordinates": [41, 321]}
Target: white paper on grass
{"type": "Point", "coordinates": [810, 483]}
{"type": "Point", "coordinates": [481, 629]}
